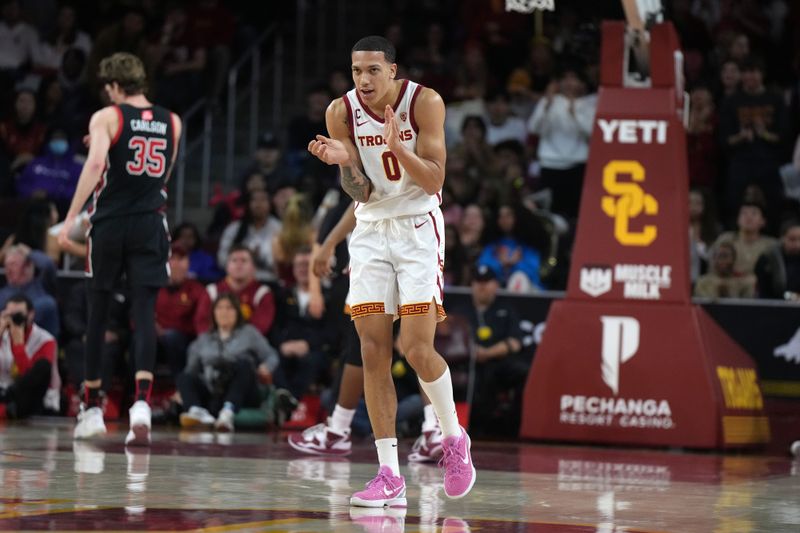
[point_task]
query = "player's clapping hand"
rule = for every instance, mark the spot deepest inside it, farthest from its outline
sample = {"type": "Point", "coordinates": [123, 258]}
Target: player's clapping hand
{"type": "Point", "coordinates": [391, 132]}
{"type": "Point", "coordinates": [329, 151]}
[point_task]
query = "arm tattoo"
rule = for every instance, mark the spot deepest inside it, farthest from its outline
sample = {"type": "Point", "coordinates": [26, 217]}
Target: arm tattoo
{"type": "Point", "coordinates": [356, 183]}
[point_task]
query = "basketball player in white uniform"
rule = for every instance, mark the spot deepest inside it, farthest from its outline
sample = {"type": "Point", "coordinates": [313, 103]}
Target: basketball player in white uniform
{"type": "Point", "coordinates": [387, 136]}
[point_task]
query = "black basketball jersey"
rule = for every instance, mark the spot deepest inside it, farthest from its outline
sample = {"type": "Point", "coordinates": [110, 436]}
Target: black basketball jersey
{"type": "Point", "coordinates": [135, 178]}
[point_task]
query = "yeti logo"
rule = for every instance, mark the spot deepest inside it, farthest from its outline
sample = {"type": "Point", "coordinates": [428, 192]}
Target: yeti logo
{"type": "Point", "coordinates": [791, 350]}
{"type": "Point", "coordinates": [620, 342]}
{"type": "Point", "coordinates": [595, 280]}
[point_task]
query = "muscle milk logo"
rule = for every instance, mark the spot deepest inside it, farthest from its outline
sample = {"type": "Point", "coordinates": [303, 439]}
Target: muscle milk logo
{"type": "Point", "coordinates": [620, 342]}
{"type": "Point", "coordinates": [595, 280]}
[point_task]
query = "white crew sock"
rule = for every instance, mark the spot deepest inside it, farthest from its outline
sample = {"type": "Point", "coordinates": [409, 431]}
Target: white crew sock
{"type": "Point", "coordinates": [341, 419]}
{"type": "Point", "coordinates": [387, 454]}
{"type": "Point", "coordinates": [430, 421]}
{"type": "Point", "coordinates": [440, 392]}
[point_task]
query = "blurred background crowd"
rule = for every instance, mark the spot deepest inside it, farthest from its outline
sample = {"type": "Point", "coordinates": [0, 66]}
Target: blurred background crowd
{"type": "Point", "coordinates": [520, 113]}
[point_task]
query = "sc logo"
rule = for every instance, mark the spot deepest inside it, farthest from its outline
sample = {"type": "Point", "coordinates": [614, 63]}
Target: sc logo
{"type": "Point", "coordinates": [628, 200]}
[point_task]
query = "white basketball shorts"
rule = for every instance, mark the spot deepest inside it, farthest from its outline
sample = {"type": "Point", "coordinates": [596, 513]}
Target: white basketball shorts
{"type": "Point", "coordinates": [396, 266]}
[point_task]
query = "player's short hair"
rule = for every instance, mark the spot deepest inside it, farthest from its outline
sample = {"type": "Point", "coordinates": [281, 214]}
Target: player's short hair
{"type": "Point", "coordinates": [125, 69]}
{"type": "Point", "coordinates": [376, 43]}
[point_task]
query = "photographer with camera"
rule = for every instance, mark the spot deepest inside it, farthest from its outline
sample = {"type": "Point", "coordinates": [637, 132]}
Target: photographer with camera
{"type": "Point", "coordinates": [29, 379]}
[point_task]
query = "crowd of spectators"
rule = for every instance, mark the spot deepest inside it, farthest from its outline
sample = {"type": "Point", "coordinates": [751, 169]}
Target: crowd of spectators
{"type": "Point", "coordinates": [520, 112]}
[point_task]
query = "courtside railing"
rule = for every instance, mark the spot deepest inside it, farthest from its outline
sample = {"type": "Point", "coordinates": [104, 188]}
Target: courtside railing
{"type": "Point", "coordinates": [202, 147]}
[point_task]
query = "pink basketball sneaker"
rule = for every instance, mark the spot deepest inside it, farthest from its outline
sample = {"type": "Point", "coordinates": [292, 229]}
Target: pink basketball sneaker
{"type": "Point", "coordinates": [428, 447]}
{"type": "Point", "coordinates": [459, 472]}
{"type": "Point", "coordinates": [384, 490]}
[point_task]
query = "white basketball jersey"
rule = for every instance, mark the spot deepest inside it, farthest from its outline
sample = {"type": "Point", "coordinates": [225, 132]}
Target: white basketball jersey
{"type": "Point", "coordinates": [394, 193]}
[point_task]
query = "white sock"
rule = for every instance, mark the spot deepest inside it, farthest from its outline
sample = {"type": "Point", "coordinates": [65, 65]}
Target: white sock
{"type": "Point", "coordinates": [387, 454]}
{"type": "Point", "coordinates": [341, 418]}
{"type": "Point", "coordinates": [430, 421]}
{"type": "Point", "coordinates": [440, 392]}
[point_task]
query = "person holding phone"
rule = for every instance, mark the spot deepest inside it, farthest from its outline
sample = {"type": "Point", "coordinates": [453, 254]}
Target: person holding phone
{"type": "Point", "coordinates": [29, 379]}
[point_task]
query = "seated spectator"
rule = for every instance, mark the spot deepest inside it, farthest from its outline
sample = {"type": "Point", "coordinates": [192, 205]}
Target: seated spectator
{"type": "Point", "coordinates": [34, 230]}
{"type": "Point", "coordinates": [753, 127]}
{"type": "Point", "coordinates": [539, 70]}
{"type": "Point", "coordinates": [22, 135]}
{"type": "Point", "coordinates": [502, 125]}
{"type": "Point", "coordinates": [176, 307]}
{"type": "Point", "coordinates": [281, 195]}
{"type": "Point", "coordinates": [255, 230]}
{"type": "Point", "coordinates": [224, 367]}
{"type": "Point", "coordinates": [563, 120]}
{"type": "Point", "coordinates": [501, 366]}
{"type": "Point", "coordinates": [456, 263]}
{"type": "Point", "coordinates": [462, 182]}
{"type": "Point", "coordinates": [295, 234]}
{"type": "Point", "coordinates": [302, 340]}
{"type": "Point", "coordinates": [701, 139]}
{"type": "Point", "coordinates": [29, 377]}
{"type": "Point", "coordinates": [202, 265]}
{"type": "Point", "coordinates": [115, 342]}
{"type": "Point", "coordinates": [254, 182]}
{"type": "Point", "coordinates": [523, 100]}
{"type": "Point", "coordinates": [748, 240]}
{"type": "Point", "coordinates": [21, 264]}
{"type": "Point", "coordinates": [470, 233]}
{"type": "Point", "coordinates": [303, 128]}
{"type": "Point", "coordinates": [474, 150]}
{"type": "Point", "coordinates": [54, 174]}
{"type": "Point", "coordinates": [125, 34]}
{"type": "Point", "coordinates": [256, 299]}
{"type": "Point", "coordinates": [778, 270]}
{"type": "Point", "coordinates": [179, 61]}
{"type": "Point", "coordinates": [515, 257]}
{"type": "Point", "coordinates": [729, 78]}
{"type": "Point", "coordinates": [76, 101]}
{"type": "Point", "coordinates": [268, 162]}
{"type": "Point", "coordinates": [703, 231]}
{"type": "Point", "coordinates": [66, 35]}
{"type": "Point", "coordinates": [723, 281]}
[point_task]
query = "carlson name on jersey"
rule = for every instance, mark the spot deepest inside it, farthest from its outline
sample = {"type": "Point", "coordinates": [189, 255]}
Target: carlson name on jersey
{"type": "Point", "coordinates": [137, 168]}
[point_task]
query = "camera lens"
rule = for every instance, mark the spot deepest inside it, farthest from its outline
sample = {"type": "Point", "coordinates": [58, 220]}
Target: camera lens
{"type": "Point", "coordinates": [18, 318]}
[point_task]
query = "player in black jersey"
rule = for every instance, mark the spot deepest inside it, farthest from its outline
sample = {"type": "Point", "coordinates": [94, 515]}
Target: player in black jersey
{"type": "Point", "coordinates": [132, 148]}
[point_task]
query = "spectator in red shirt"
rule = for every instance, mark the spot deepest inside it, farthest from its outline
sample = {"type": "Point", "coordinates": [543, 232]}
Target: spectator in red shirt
{"type": "Point", "coordinates": [21, 135]}
{"type": "Point", "coordinates": [256, 299]}
{"type": "Point", "coordinates": [176, 307]}
{"type": "Point", "coordinates": [27, 354]}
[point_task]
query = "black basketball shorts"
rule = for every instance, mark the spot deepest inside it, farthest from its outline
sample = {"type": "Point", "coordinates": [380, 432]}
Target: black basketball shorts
{"type": "Point", "coordinates": [136, 246]}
